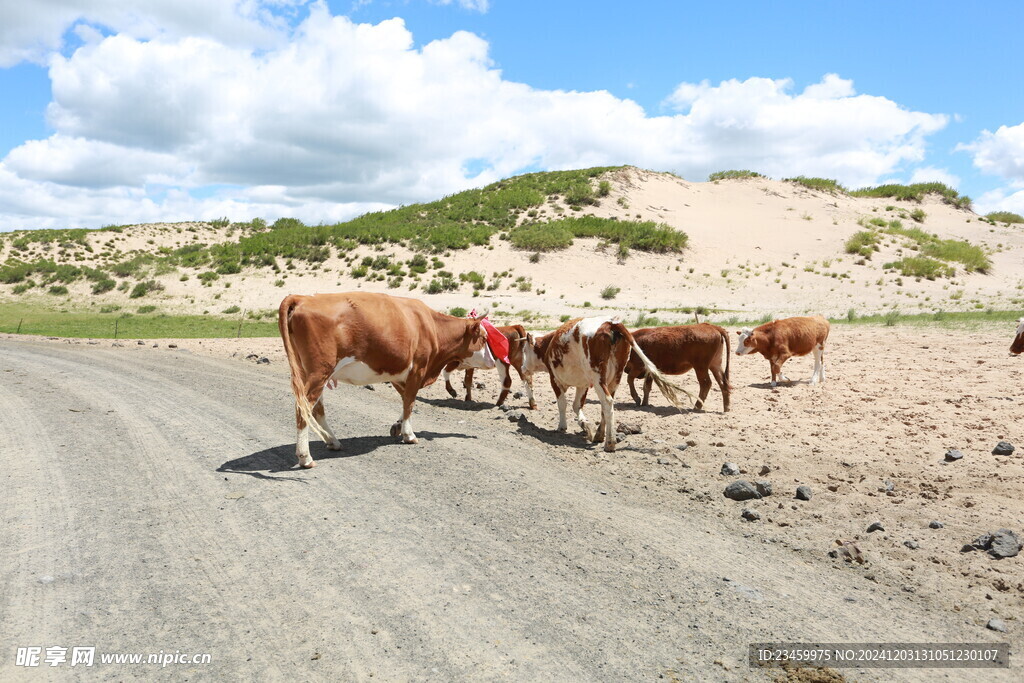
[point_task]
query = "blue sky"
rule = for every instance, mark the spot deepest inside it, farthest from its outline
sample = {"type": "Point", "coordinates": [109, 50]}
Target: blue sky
{"type": "Point", "coordinates": [115, 112]}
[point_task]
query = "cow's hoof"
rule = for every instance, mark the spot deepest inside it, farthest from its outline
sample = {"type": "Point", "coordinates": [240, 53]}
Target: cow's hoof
{"type": "Point", "coordinates": [533, 406]}
{"type": "Point", "coordinates": [412, 440]}
{"type": "Point", "coordinates": [396, 429]}
{"type": "Point", "coordinates": [307, 464]}
{"type": "Point", "coordinates": [451, 392]}
{"type": "Point", "coordinates": [609, 447]}
{"type": "Point", "coordinates": [334, 446]}
{"type": "Point", "coordinates": [563, 430]}
{"type": "Point", "coordinates": [698, 405]}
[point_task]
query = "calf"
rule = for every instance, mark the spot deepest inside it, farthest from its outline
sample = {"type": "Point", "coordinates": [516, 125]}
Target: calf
{"type": "Point", "coordinates": [782, 339]}
{"type": "Point", "coordinates": [363, 338]}
{"type": "Point", "coordinates": [516, 336]}
{"type": "Point", "coordinates": [592, 352]}
{"type": "Point", "coordinates": [1017, 347]}
{"type": "Point", "coordinates": [677, 350]}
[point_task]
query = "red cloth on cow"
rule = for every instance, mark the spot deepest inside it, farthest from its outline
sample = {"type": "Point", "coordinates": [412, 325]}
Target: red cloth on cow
{"type": "Point", "coordinates": [497, 342]}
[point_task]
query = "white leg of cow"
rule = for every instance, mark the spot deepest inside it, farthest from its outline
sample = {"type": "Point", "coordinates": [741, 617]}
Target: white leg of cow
{"type": "Point", "coordinates": [528, 381]}
{"type": "Point", "coordinates": [815, 374]}
{"type": "Point", "coordinates": [821, 369]}
{"type": "Point", "coordinates": [332, 442]}
{"type": "Point", "coordinates": [302, 448]}
{"type": "Point", "coordinates": [504, 381]}
{"type": "Point", "coordinates": [563, 425]}
{"type": "Point", "coordinates": [607, 418]}
{"type": "Point", "coordinates": [577, 409]}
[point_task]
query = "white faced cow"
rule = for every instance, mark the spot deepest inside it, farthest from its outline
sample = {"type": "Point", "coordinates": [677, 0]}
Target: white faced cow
{"type": "Point", "coordinates": [592, 352]}
{"type": "Point", "coordinates": [517, 339]}
{"type": "Point", "coordinates": [363, 338]}
{"type": "Point", "coordinates": [1017, 347]}
{"type": "Point", "coordinates": [780, 340]}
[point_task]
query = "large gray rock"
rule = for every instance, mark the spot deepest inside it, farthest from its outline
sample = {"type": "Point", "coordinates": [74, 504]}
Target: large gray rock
{"type": "Point", "coordinates": [764, 488]}
{"type": "Point", "coordinates": [999, 544]}
{"type": "Point", "coordinates": [1003, 448]}
{"type": "Point", "coordinates": [741, 490]}
{"type": "Point", "coordinates": [804, 493]}
{"type": "Point", "coordinates": [730, 468]}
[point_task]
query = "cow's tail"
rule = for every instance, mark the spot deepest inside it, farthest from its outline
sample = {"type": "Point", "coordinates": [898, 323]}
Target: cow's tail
{"type": "Point", "coordinates": [302, 404]}
{"type": "Point", "coordinates": [668, 389]}
{"type": "Point", "coordinates": [728, 354]}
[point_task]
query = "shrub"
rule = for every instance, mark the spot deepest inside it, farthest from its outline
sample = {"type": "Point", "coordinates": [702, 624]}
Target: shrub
{"type": "Point", "coordinates": [604, 188]}
{"type": "Point", "coordinates": [144, 288]}
{"type": "Point", "coordinates": [279, 283]}
{"type": "Point", "coordinates": [610, 292]}
{"type": "Point", "coordinates": [227, 311]}
{"type": "Point", "coordinates": [59, 290]}
{"type": "Point", "coordinates": [916, 193]}
{"type": "Point", "coordinates": [820, 184]}
{"type": "Point", "coordinates": [146, 309]}
{"type": "Point", "coordinates": [457, 311]}
{"type": "Point", "coordinates": [109, 308]}
{"type": "Point", "coordinates": [1005, 217]}
{"type": "Point", "coordinates": [921, 266]}
{"type": "Point", "coordinates": [851, 315]}
{"type": "Point", "coordinates": [579, 194]}
{"type": "Point", "coordinates": [104, 285]}
{"type": "Point", "coordinates": [535, 257]}
{"type": "Point", "coordinates": [918, 215]}
{"type": "Point", "coordinates": [863, 243]}
{"type": "Point", "coordinates": [539, 237]}
{"type": "Point", "coordinates": [442, 282]}
{"type": "Point", "coordinates": [733, 175]}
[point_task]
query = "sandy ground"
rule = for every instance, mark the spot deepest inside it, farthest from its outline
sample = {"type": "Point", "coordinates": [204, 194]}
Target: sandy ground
{"type": "Point", "coordinates": [756, 246]}
{"type": "Point", "coordinates": [492, 549]}
{"type": "Point", "coordinates": [896, 399]}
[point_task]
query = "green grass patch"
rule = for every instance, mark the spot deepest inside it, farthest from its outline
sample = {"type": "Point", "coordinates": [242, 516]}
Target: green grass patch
{"type": "Point", "coordinates": [916, 192]}
{"type": "Point", "coordinates": [864, 243]}
{"type": "Point", "coordinates": [921, 266]}
{"type": "Point", "coordinates": [819, 184]}
{"type": "Point", "coordinates": [46, 322]}
{"type": "Point", "coordinates": [1005, 217]}
{"type": "Point", "coordinates": [733, 175]}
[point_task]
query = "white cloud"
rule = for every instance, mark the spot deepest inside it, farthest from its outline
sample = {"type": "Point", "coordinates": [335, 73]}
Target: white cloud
{"type": "Point", "coordinates": [342, 115]}
{"type": "Point", "coordinates": [930, 174]}
{"type": "Point", "coordinates": [1000, 153]}
{"type": "Point", "coordinates": [1003, 199]}
{"type": "Point", "coordinates": [33, 29]}
{"type": "Point", "coordinates": [476, 5]}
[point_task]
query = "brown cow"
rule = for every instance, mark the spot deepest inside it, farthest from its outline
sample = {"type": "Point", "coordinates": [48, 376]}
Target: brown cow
{"type": "Point", "coordinates": [362, 338]}
{"type": "Point", "coordinates": [1017, 347]}
{"type": "Point", "coordinates": [675, 351]}
{"type": "Point", "coordinates": [780, 340]}
{"type": "Point", "coordinates": [592, 352]}
{"type": "Point", "coordinates": [516, 336]}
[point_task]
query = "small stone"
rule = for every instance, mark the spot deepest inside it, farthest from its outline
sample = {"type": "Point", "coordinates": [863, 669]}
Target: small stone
{"type": "Point", "coordinates": [664, 461]}
{"type": "Point", "coordinates": [628, 428]}
{"type": "Point", "coordinates": [875, 526]}
{"type": "Point", "coordinates": [118, 344]}
{"type": "Point", "coordinates": [251, 356]}
{"type": "Point", "coordinates": [369, 387]}
{"type": "Point", "coordinates": [141, 343]}
{"type": "Point", "coordinates": [682, 446]}
{"type": "Point", "coordinates": [479, 385]}
{"type": "Point", "coordinates": [263, 361]}
{"type": "Point", "coordinates": [518, 394]}
{"type": "Point", "coordinates": [730, 468]}
{"type": "Point", "coordinates": [764, 488]}
{"type": "Point", "coordinates": [172, 346]}
{"type": "Point", "coordinates": [764, 470]}
{"type": "Point", "coordinates": [514, 415]}
{"type": "Point", "coordinates": [750, 515]}
{"type": "Point", "coordinates": [804, 493]}
{"type": "Point", "coordinates": [1003, 448]}
{"type": "Point", "coordinates": [913, 545]}
{"type": "Point", "coordinates": [155, 346]}
{"type": "Point", "coordinates": [952, 455]}
{"type": "Point", "coordinates": [935, 524]}
{"type": "Point", "coordinates": [741, 490]}
{"type": "Point", "coordinates": [996, 625]}
{"type": "Point", "coordinates": [889, 486]}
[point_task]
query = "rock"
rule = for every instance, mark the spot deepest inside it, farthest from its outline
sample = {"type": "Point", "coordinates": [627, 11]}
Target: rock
{"type": "Point", "coordinates": [172, 346]}
{"type": "Point", "coordinates": [952, 455]}
{"type": "Point", "coordinates": [518, 394]}
{"type": "Point", "coordinates": [764, 488]}
{"type": "Point", "coordinates": [369, 387]}
{"type": "Point", "coordinates": [514, 415]}
{"type": "Point", "coordinates": [1003, 448]}
{"type": "Point", "coordinates": [875, 526]}
{"type": "Point", "coordinates": [141, 343]}
{"type": "Point", "coordinates": [741, 490]}
{"type": "Point", "coordinates": [1004, 544]}
{"type": "Point", "coordinates": [764, 470]}
{"type": "Point", "coordinates": [251, 356]}
{"type": "Point", "coordinates": [730, 469]}
{"type": "Point", "coordinates": [628, 428]}
{"type": "Point", "coordinates": [889, 486]}
{"type": "Point", "coordinates": [913, 545]}
{"type": "Point", "coordinates": [664, 461]}
{"type": "Point", "coordinates": [934, 524]}
{"type": "Point", "coordinates": [996, 625]}
{"type": "Point", "coordinates": [750, 515]}
{"type": "Point", "coordinates": [504, 407]}
{"type": "Point", "coordinates": [263, 361]}
{"type": "Point", "coordinates": [479, 385]}
{"type": "Point", "coordinates": [682, 446]}
{"type": "Point", "coordinates": [804, 493]}
{"type": "Point", "coordinates": [118, 344]}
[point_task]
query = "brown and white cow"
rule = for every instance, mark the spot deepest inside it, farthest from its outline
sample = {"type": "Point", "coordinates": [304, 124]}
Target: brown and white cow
{"type": "Point", "coordinates": [516, 336]}
{"type": "Point", "coordinates": [678, 349]}
{"type": "Point", "coordinates": [363, 338]}
{"type": "Point", "coordinates": [592, 352]}
{"type": "Point", "coordinates": [1017, 347]}
{"type": "Point", "coordinates": [780, 340]}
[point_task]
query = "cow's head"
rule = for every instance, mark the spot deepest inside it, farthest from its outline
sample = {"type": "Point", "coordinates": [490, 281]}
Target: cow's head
{"type": "Point", "coordinates": [748, 341]}
{"type": "Point", "coordinates": [475, 337]}
{"type": "Point", "coordinates": [1017, 347]}
{"type": "Point", "coordinates": [533, 354]}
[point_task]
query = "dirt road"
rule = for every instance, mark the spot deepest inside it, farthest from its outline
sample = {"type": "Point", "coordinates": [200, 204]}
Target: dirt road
{"type": "Point", "coordinates": [150, 503]}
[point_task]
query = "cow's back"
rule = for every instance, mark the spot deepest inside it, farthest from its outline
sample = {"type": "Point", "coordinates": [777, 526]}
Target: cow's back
{"type": "Point", "coordinates": [800, 335]}
{"type": "Point", "coordinates": [677, 348]}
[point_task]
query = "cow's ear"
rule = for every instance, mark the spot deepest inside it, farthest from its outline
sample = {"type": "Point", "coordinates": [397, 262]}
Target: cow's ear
{"type": "Point", "coordinates": [739, 332]}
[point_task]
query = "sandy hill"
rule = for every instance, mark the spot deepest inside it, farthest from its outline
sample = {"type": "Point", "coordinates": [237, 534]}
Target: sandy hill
{"type": "Point", "coordinates": [755, 246]}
